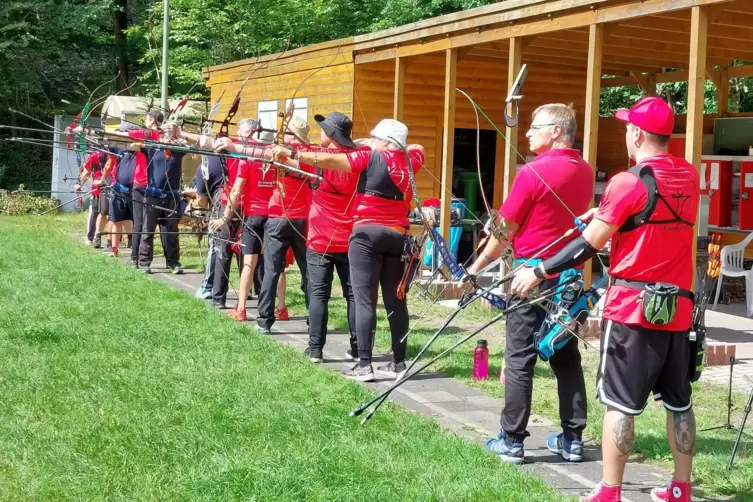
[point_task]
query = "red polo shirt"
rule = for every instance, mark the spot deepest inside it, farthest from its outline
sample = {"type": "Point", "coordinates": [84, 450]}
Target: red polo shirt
{"type": "Point", "coordinates": [541, 216]}
{"type": "Point", "coordinates": [651, 253]}
{"type": "Point", "coordinates": [261, 180]}
{"type": "Point", "coordinates": [140, 178]}
{"type": "Point", "coordinates": [373, 210]}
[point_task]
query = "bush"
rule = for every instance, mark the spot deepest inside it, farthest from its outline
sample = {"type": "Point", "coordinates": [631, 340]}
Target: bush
{"type": "Point", "coordinates": [20, 202]}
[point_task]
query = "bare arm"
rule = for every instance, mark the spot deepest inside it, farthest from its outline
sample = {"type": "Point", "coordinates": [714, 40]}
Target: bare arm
{"type": "Point", "coordinates": [494, 247]}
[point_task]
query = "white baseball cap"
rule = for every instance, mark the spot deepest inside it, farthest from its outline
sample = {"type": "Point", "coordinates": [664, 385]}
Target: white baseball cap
{"type": "Point", "coordinates": [390, 128]}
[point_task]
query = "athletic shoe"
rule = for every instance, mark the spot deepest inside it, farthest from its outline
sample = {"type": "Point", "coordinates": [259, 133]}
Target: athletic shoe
{"type": "Point", "coordinates": [238, 315]}
{"type": "Point", "coordinates": [263, 330]}
{"type": "Point", "coordinates": [218, 305]}
{"type": "Point", "coordinates": [360, 373]}
{"type": "Point", "coordinates": [132, 263]}
{"type": "Point", "coordinates": [145, 269]}
{"type": "Point", "coordinates": [97, 242]}
{"type": "Point", "coordinates": [108, 247]}
{"type": "Point", "coordinates": [572, 451]}
{"type": "Point", "coordinates": [314, 355]}
{"type": "Point", "coordinates": [393, 370]}
{"type": "Point", "coordinates": [281, 314]}
{"type": "Point", "coordinates": [673, 491]}
{"type": "Point", "coordinates": [507, 449]}
{"type": "Point", "coordinates": [88, 241]}
{"type": "Point", "coordinates": [114, 253]}
{"type": "Point", "coordinates": [177, 270]}
{"type": "Point", "coordinates": [352, 354]}
{"type": "Point", "coordinates": [602, 493]}
{"type": "Point", "coordinates": [203, 294]}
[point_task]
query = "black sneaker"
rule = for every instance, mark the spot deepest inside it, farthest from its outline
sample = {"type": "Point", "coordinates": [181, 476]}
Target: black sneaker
{"type": "Point", "coordinates": [393, 370]}
{"type": "Point", "coordinates": [97, 242]}
{"type": "Point", "coordinates": [218, 305]}
{"type": "Point", "coordinates": [145, 270]}
{"type": "Point", "coordinates": [314, 355]}
{"type": "Point", "coordinates": [360, 373]}
{"type": "Point", "coordinates": [177, 270]}
{"type": "Point", "coordinates": [352, 354]}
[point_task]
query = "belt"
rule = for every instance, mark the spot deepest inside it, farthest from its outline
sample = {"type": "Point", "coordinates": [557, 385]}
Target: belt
{"type": "Point", "coordinates": [640, 285]}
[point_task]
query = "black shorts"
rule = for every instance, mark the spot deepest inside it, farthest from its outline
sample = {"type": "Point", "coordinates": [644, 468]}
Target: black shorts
{"type": "Point", "coordinates": [637, 361]}
{"type": "Point", "coordinates": [253, 234]}
{"type": "Point", "coordinates": [121, 207]}
{"type": "Point", "coordinates": [101, 204]}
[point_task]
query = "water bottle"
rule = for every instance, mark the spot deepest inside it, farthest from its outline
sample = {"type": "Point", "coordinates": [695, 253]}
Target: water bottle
{"type": "Point", "coordinates": [481, 361]}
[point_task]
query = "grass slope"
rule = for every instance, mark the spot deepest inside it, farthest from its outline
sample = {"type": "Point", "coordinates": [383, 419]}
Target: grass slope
{"type": "Point", "coordinates": [117, 387]}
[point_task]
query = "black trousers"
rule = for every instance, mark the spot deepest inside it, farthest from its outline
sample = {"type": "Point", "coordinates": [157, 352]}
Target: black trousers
{"type": "Point", "coordinates": [139, 216]}
{"type": "Point", "coordinates": [321, 271]}
{"type": "Point", "coordinates": [279, 235]}
{"type": "Point", "coordinates": [520, 359]}
{"type": "Point", "coordinates": [158, 212]}
{"type": "Point", "coordinates": [223, 260]}
{"type": "Point", "coordinates": [375, 254]}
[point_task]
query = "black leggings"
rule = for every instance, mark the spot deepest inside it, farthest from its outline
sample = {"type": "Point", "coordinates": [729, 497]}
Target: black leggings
{"type": "Point", "coordinates": [375, 255]}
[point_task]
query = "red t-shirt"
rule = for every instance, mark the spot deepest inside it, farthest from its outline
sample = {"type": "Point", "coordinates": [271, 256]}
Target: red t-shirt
{"type": "Point", "coordinates": [297, 196]}
{"type": "Point", "coordinates": [261, 180]}
{"type": "Point", "coordinates": [331, 212]}
{"type": "Point", "coordinates": [651, 253]}
{"type": "Point", "coordinates": [94, 163]}
{"type": "Point", "coordinates": [541, 216]}
{"type": "Point", "coordinates": [374, 210]}
{"type": "Point", "coordinates": [140, 178]}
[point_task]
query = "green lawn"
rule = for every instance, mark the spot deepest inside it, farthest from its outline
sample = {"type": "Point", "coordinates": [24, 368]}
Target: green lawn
{"type": "Point", "coordinates": [118, 387]}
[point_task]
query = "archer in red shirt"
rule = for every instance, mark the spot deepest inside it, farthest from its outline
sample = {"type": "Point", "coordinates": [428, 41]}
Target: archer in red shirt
{"type": "Point", "coordinates": [649, 213]}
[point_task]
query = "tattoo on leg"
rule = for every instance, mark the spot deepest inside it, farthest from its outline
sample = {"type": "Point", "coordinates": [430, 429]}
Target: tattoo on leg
{"type": "Point", "coordinates": [624, 435]}
{"type": "Point", "coordinates": [684, 431]}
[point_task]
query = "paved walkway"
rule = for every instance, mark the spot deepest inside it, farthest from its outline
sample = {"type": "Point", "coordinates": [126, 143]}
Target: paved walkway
{"type": "Point", "coordinates": [730, 324]}
{"type": "Point", "coordinates": [461, 409]}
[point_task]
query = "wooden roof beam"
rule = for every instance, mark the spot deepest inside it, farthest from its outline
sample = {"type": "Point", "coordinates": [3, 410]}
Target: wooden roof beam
{"type": "Point", "coordinates": [647, 83]}
{"type": "Point", "coordinates": [712, 74]}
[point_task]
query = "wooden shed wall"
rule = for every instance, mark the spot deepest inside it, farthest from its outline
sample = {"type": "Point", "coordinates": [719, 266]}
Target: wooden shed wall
{"type": "Point", "coordinates": [329, 89]}
{"type": "Point", "coordinates": [485, 82]}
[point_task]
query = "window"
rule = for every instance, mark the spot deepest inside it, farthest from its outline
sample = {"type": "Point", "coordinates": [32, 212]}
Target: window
{"type": "Point", "coordinates": [268, 114]}
{"type": "Point", "coordinates": [301, 107]}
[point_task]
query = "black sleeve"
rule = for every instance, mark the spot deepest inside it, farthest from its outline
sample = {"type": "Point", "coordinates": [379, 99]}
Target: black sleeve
{"type": "Point", "coordinates": [576, 252]}
{"type": "Point", "coordinates": [201, 187]}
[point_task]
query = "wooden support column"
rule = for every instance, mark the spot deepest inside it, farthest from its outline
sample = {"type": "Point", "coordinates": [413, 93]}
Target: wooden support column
{"type": "Point", "coordinates": [722, 92]}
{"type": "Point", "coordinates": [511, 133]}
{"type": "Point", "coordinates": [499, 171]}
{"type": "Point", "coordinates": [448, 139]}
{"type": "Point", "coordinates": [399, 101]}
{"type": "Point", "coordinates": [593, 98]}
{"type": "Point", "coordinates": [699, 22]}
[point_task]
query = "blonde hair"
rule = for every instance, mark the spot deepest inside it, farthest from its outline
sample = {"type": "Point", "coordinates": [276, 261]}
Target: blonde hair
{"type": "Point", "coordinates": [562, 115]}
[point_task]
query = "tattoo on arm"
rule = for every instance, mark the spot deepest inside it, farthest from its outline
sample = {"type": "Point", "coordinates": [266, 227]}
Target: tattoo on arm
{"type": "Point", "coordinates": [684, 431]}
{"type": "Point", "coordinates": [624, 435]}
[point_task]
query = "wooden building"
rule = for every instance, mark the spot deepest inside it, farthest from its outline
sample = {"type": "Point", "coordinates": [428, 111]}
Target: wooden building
{"type": "Point", "coordinates": [572, 48]}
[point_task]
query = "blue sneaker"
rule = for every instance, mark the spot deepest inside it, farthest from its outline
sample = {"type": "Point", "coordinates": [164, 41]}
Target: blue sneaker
{"type": "Point", "coordinates": [572, 452]}
{"type": "Point", "coordinates": [506, 449]}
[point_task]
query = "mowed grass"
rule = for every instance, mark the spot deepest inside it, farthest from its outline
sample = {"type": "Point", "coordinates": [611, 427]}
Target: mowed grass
{"type": "Point", "coordinates": [118, 387]}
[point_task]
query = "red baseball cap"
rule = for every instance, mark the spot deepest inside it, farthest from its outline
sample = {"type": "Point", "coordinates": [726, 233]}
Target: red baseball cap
{"type": "Point", "coordinates": [651, 114]}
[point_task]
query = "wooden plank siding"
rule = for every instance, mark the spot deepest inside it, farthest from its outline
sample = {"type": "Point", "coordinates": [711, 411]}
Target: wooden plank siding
{"type": "Point", "coordinates": [485, 82]}
{"type": "Point", "coordinates": [329, 89]}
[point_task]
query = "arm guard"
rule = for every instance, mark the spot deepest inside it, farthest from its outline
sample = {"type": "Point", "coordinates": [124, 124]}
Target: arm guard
{"type": "Point", "coordinates": [576, 252]}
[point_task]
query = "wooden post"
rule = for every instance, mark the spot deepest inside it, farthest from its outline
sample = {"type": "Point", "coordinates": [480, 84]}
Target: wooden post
{"type": "Point", "coordinates": [722, 92]}
{"type": "Point", "coordinates": [499, 171]}
{"type": "Point", "coordinates": [699, 22]}
{"type": "Point", "coordinates": [591, 125]}
{"type": "Point", "coordinates": [399, 100]}
{"type": "Point", "coordinates": [511, 133]}
{"type": "Point", "coordinates": [448, 140]}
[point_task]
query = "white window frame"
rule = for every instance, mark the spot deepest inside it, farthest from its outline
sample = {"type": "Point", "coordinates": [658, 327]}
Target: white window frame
{"type": "Point", "coordinates": [267, 114]}
{"type": "Point", "coordinates": [301, 108]}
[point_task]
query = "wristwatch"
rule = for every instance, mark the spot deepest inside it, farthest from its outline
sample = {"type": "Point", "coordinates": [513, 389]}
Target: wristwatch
{"type": "Point", "coordinates": [538, 271]}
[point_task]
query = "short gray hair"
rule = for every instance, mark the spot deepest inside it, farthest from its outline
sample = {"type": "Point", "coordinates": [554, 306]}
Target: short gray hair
{"type": "Point", "coordinates": [561, 115]}
{"type": "Point", "coordinates": [248, 123]}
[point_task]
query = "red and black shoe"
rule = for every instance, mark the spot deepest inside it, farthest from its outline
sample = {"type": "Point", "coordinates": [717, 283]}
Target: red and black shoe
{"type": "Point", "coordinates": [238, 315]}
{"type": "Point", "coordinates": [281, 314]}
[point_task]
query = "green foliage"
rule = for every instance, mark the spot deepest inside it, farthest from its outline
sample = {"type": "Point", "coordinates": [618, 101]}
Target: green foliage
{"type": "Point", "coordinates": [19, 203]}
{"type": "Point", "coordinates": [28, 164]}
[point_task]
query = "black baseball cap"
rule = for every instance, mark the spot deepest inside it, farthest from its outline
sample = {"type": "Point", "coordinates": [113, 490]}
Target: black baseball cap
{"type": "Point", "coordinates": [337, 127]}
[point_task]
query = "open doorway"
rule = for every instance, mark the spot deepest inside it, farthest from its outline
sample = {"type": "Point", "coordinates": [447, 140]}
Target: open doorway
{"type": "Point", "coordinates": [465, 183]}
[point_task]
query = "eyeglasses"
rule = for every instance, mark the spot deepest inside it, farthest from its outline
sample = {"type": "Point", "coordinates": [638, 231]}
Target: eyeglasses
{"type": "Point", "coordinates": [535, 128]}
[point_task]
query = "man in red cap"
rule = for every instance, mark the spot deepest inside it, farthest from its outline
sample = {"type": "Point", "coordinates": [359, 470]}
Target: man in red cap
{"type": "Point", "coordinates": [649, 213]}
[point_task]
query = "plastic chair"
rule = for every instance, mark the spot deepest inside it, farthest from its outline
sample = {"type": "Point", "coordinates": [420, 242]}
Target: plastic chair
{"type": "Point", "coordinates": [732, 266]}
